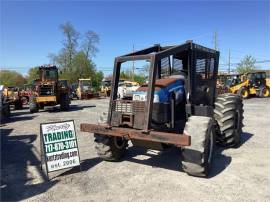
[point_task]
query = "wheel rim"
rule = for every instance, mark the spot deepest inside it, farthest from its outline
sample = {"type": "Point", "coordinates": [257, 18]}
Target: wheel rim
{"type": "Point", "coordinates": [244, 93]}
{"type": "Point", "coordinates": [119, 142]}
{"type": "Point", "coordinates": [266, 92]}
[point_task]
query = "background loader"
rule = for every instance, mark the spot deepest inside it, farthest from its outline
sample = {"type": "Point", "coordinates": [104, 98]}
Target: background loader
{"type": "Point", "coordinates": [48, 90]}
{"type": "Point", "coordinates": [84, 89]}
{"type": "Point", "coordinates": [105, 89]}
{"type": "Point", "coordinates": [245, 85]}
{"type": "Point", "coordinates": [177, 107]}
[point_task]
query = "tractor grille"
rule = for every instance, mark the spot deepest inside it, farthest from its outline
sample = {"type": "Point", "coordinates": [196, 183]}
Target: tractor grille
{"type": "Point", "coordinates": [46, 90]}
{"type": "Point", "coordinates": [127, 106]}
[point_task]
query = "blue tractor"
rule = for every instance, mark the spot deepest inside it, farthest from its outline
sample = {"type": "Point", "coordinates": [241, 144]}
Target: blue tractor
{"type": "Point", "coordinates": [178, 107]}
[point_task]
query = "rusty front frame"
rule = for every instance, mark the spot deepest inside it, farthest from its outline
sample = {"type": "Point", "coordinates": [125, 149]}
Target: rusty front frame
{"type": "Point", "coordinates": [133, 134]}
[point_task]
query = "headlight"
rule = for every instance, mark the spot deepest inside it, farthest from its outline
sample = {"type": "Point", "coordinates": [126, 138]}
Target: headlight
{"type": "Point", "coordinates": [140, 97]}
{"type": "Point", "coordinates": [143, 97]}
{"type": "Point", "coordinates": [156, 98]}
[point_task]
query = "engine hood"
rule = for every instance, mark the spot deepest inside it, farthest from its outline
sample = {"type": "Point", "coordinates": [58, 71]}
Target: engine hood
{"type": "Point", "coordinates": [163, 90]}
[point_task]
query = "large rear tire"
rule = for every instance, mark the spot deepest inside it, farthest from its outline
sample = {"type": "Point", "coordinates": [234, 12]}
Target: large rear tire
{"type": "Point", "coordinates": [110, 148]}
{"type": "Point", "coordinates": [64, 102]}
{"type": "Point", "coordinates": [229, 116]}
{"type": "Point", "coordinates": [197, 158]}
{"type": "Point", "coordinates": [33, 106]}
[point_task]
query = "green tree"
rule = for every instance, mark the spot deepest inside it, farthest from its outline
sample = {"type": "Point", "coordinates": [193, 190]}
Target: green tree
{"type": "Point", "coordinates": [128, 75]}
{"type": "Point", "coordinates": [140, 78]}
{"type": "Point", "coordinates": [81, 68]}
{"type": "Point", "coordinates": [11, 78]}
{"type": "Point", "coordinates": [97, 79]}
{"type": "Point", "coordinates": [71, 41]}
{"type": "Point", "coordinates": [246, 65]}
{"type": "Point", "coordinates": [33, 73]}
{"type": "Point", "coordinates": [73, 62]}
{"type": "Point", "coordinates": [90, 40]}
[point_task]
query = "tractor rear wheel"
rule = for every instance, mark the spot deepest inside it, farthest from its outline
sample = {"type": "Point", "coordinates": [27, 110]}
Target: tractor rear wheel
{"type": "Point", "coordinates": [110, 148]}
{"type": "Point", "coordinates": [33, 106]}
{"type": "Point", "coordinates": [264, 92]}
{"type": "Point", "coordinates": [243, 92]}
{"type": "Point", "coordinates": [229, 116]}
{"type": "Point", "coordinates": [197, 158]}
{"type": "Point", "coordinates": [64, 102]}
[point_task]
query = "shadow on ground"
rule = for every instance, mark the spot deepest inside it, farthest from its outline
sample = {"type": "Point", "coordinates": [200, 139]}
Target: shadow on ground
{"type": "Point", "coordinates": [222, 161]}
{"type": "Point", "coordinates": [18, 115]}
{"type": "Point", "coordinates": [84, 166]}
{"type": "Point", "coordinates": [72, 108]}
{"type": "Point", "coordinates": [16, 155]}
{"type": "Point", "coordinates": [171, 158]}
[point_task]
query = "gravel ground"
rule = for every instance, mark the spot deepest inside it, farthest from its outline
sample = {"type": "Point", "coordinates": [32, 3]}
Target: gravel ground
{"type": "Point", "coordinates": [241, 174]}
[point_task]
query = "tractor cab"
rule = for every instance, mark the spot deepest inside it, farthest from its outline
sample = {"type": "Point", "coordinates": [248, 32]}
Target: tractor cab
{"type": "Point", "coordinates": [256, 79]}
{"type": "Point", "coordinates": [48, 73]}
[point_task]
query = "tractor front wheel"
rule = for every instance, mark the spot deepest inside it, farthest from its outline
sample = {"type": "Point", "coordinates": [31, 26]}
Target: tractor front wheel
{"type": "Point", "coordinates": [110, 148]}
{"type": "Point", "coordinates": [197, 158]}
{"type": "Point", "coordinates": [243, 93]}
{"type": "Point", "coordinates": [33, 106]}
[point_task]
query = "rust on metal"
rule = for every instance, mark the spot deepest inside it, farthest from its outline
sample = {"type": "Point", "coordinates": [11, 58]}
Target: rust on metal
{"type": "Point", "coordinates": [152, 136]}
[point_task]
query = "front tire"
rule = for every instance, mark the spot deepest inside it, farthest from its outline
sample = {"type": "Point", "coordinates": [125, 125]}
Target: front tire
{"type": "Point", "coordinates": [229, 116]}
{"type": "Point", "coordinates": [243, 92]}
{"type": "Point", "coordinates": [110, 148]}
{"type": "Point", "coordinates": [197, 158]}
{"type": "Point", "coordinates": [33, 106]}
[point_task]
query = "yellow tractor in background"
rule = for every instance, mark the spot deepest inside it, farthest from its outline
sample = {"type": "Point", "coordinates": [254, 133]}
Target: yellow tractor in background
{"type": "Point", "coordinates": [84, 89]}
{"type": "Point", "coordinates": [13, 97]}
{"type": "Point", "coordinates": [48, 90]}
{"type": "Point", "coordinates": [252, 83]}
{"type": "Point", "coordinates": [105, 89]}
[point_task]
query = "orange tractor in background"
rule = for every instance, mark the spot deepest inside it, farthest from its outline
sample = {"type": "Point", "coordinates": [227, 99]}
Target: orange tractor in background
{"type": "Point", "coordinates": [48, 90]}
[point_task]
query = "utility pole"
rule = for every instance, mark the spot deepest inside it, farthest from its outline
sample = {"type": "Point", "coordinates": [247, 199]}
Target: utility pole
{"type": "Point", "coordinates": [133, 65]}
{"type": "Point", "coordinates": [215, 40]}
{"type": "Point", "coordinates": [229, 64]}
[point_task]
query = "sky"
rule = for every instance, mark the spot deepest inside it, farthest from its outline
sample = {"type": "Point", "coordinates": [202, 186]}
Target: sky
{"type": "Point", "coordinates": [30, 29]}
